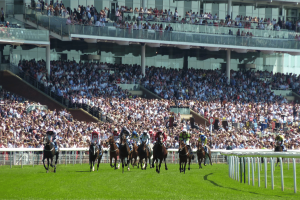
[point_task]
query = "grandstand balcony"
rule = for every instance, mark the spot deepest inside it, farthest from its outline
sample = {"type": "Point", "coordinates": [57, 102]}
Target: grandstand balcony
{"type": "Point", "coordinates": [183, 35]}
{"type": "Point", "coordinates": [19, 36]}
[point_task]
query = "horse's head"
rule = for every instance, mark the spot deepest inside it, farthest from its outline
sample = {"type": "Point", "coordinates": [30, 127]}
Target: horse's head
{"type": "Point", "coordinates": [200, 145]}
{"type": "Point", "coordinates": [160, 138]}
{"type": "Point", "coordinates": [144, 145]}
{"type": "Point", "coordinates": [111, 140]}
{"type": "Point", "coordinates": [182, 146]}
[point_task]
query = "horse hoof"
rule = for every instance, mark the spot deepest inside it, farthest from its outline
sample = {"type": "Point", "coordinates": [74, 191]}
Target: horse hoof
{"type": "Point", "coordinates": [47, 171]}
{"type": "Point", "coordinates": [128, 169]}
{"type": "Point", "coordinates": [166, 168]}
{"type": "Point", "coordinates": [204, 164]}
{"type": "Point", "coordinates": [189, 168]}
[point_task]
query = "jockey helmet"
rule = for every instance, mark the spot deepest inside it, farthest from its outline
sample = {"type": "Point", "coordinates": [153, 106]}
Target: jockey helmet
{"type": "Point", "coordinates": [145, 132]}
{"type": "Point", "coordinates": [202, 136]}
{"type": "Point", "coordinates": [50, 129]}
{"type": "Point", "coordinates": [115, 130]}
{"type": "Point", "coordinates": [160, 130]}
{"type": "Point", "coordinates": [124, 127]}
{"type": "Point", "coordinates": [184, 130]}
{"type": "Point", "coordinates": [134, 133]}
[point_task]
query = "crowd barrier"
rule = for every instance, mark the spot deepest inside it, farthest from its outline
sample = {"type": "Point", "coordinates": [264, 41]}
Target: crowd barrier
{"type": "Point", "coordinates": [237, 160]}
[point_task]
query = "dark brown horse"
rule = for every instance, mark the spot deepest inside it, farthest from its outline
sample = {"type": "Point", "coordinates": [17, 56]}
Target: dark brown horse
{"type": "Point", "coordinates": [134, 154]}
{"type": "Point", "coordinates": [183, 156]}
{"type": "Point", "coordinates": [144, 154]}
{"type": "Point", "coordinates": [124, 153]}
{"type": "Point", "coordinates": [94, 153]}
{"type": "Point", "coordinates": [201, 154]}
{"type": "Point", "coordinates": [160, 153]}
{"type": "Point", "coordinates": [278, 148]}
{"type": "Point", "coordinates": [113, 151]}
{"type": "Point", "coordinates": [49, 153]}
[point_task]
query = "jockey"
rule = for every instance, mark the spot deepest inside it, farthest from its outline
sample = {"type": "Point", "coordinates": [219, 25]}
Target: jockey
{"type": "Point", "coordinates": [279, 140]}
{"type": "Point", "coordinates": [159, 132]}
{"type": "Point", "coordinates": [185, 137]}
{"type": "Point", "coordinates": [203, 140]}
{"type": "Point", "coordinates": [145, 137]}
{"type": "Point", "coordinates": [95, 138]}
{"type": "Point", "coordinates": [51, 134]}
{"type": "Point", "coordinates": [152, 136]}
{"type": "Point", "coordinates": [135, 137]}
{"type": "Point", "coordinates": [116, 136]}
{"type": "Point", "coordinates": [125, 132]}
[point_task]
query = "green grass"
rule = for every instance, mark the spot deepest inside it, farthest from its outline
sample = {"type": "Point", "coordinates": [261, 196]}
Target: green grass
{"type": "Point", "coordinates": [76, 182]}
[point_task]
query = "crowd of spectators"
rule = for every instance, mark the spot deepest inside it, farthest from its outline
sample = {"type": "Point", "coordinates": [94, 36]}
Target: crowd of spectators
{"type": "Point", "coordinates": [22, 129]}
{"type": "Point", "coordinates": [90, 16]}
{"type": "Point", "coordinates": [247, 98]}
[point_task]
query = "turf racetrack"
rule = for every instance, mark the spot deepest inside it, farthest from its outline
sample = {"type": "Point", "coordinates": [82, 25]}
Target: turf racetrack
{"type": "Point", "coordinates": [76, 182]}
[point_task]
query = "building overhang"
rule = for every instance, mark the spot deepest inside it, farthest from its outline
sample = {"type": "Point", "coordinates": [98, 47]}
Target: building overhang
{"type": "Point", "coordinates": [183, 44]}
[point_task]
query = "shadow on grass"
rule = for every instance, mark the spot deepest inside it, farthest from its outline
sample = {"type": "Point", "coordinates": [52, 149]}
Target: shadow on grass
{"type": "Point", "coordinates": [218, 185]}
{"type": "Point", "coordinates": [84, 171]}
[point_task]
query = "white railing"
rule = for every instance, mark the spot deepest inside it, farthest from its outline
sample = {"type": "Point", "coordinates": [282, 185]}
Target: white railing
{"type": "Point", "coordinates": [33, 156]}
{"type": "Point", "coordinates": [237, 163]}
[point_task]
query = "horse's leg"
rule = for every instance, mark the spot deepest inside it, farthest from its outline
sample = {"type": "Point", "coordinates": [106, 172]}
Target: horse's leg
{"type": "Point", "coordinates": [116, 163]}
{"type": "Point", "coordinates": [160, 160]}
{"type": "Point", "coordinates": [110, 158]}
{"type": "Point", "coordinates": [200, 162]}
{"type": "Point", "coordinates": [210, 159]}
{"type": "Point", "coordinates": [205, 160]}
{"type": "Point", "coordinates": [56, 158]}
{"type": "Point", "coordinates": [156, 164]}
{"type": "Point", "coordinates": [184, 165]}
{"type": "Point", "coordinates": [128, 166]}
{"type": "Point", "coordinates": [94, 164]}
{"type": "Point", "coordinates": [44, 162]}
{"type": "Point", "coordinates": [48, 163]}
{"type": "Point", "coordinates": [189, 168]}
{"type": "Point", "coordinates": [122, 159]}
{"type": "Point", "coordinates": [91, 163]}
{"type": "Point", "coordinates": [179, 165]}
{"type": "Point", "coordinates": [99, 159]}
{"type": "Point", "coordinates": [166, 168]}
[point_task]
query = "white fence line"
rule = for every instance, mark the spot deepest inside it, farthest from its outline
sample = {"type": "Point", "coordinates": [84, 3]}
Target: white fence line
{"type": "Point", "coordinates": [33, 156]}
{"type": "Point", "coordinates": [238, 158]}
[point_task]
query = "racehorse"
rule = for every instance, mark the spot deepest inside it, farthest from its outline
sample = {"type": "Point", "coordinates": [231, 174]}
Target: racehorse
{"type": "Point", "coordinates": [124, 153]}
{"type": "Point", "coordinates": [144, 154]}
{"type": "Point", "coordinates": [94, 153]}
{"type": "Point", "coordinates": [49, 153]}
{"type": "Point", "coordinates": [183, 156]}
{"type": "Point", "coordinates": [278, 148]}
{"type": "Point", "coordinates": [201, 154]}
{"type": "Point", "coordinates": [113, 151]}
{"type": "Point", "coordinates": [134, 154]}
{"type": "Point", "coordinates": [159, 153]}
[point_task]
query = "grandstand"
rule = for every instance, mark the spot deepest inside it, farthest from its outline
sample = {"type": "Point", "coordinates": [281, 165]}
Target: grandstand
{"type": "Point", "coordinates": [106, 64]}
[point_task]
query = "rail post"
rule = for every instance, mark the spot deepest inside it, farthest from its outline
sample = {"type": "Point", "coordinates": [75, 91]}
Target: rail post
{"type": "Point", "coordinates": [295, 179]}
{"type": "Point", "coordinates": [281, 173]}
{"type": "Point", "coordinates": [266, 169]}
